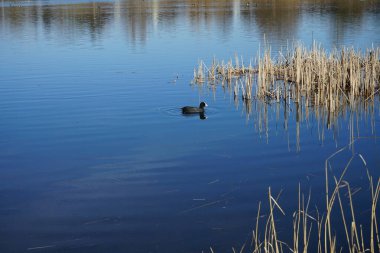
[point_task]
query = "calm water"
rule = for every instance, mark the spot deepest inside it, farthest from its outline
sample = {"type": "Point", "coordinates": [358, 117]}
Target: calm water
{"type": "Point", "coordinates": [95, 155]}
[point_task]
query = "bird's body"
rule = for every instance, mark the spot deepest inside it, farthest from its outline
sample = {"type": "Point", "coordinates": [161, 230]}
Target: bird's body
{"type": "Point", "coordinates": [193, 109]}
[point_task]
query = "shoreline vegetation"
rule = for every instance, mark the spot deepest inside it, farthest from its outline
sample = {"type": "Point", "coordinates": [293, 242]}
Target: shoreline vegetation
{"type": "Point", "coordinates": [331, 80]}
{"type": "Point", "coordinates": [334, 81]}
{"type": "Point", "coordinates": [341, 83]}
{"type": "Point", "coordinates": [315, 231]}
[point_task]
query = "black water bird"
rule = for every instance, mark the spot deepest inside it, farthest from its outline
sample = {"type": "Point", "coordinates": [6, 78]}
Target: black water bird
{"type": "Point", "coordinates": [193, 109]}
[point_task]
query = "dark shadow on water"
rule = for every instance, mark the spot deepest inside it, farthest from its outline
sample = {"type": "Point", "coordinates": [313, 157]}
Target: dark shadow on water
{"type": "Point", "coordinates": [201, 115]}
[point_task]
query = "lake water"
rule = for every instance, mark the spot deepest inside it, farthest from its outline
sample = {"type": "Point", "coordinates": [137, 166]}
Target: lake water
{"type": "Point", "coordinates": [95, 155]}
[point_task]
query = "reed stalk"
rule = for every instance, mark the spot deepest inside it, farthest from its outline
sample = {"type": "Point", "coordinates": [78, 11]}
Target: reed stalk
{"type": "Point", "coordinates": [330, 80]}
{"type": "Point", "coordinates": [266, 239]}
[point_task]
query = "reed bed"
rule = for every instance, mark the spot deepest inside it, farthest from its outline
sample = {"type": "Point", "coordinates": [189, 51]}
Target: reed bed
{"type": "Point", "coordinates": [315, 231]}
{"type": "Point", "coordinates": [331, 79]}
{"type": "Point", "coordinates": [342, 83]}
{"type": "Point", "coordinates": [332, 88]}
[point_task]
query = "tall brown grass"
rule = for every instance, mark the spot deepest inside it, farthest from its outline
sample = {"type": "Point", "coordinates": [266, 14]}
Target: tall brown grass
{"type": "Point", "coordinates": [320, 227]}
{"type": "Point", "coordinates": [331, 79]}
{"type": "Point", "coordinates": [342, 83]}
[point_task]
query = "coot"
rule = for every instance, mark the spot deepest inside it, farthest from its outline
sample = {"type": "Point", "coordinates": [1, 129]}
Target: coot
{"type": "Point", "coordinates": [193, 109]}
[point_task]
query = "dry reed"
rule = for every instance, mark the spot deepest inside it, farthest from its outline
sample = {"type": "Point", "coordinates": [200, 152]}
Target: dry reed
{"type": "Point", "coordinates": [316, 232]}
{"type": "Point", "coordinates": [343, 83]}
{"type": "Point", "coordinates": [324, 79]}
{"type": "Point", "coordinates": [330, 87]}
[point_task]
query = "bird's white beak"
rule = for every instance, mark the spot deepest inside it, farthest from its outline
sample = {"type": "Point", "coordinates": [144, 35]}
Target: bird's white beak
{"type": "Point", "coordinates": [206, 104]}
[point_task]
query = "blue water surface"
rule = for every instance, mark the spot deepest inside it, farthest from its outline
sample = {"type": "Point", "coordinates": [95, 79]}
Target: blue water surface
{"type": "Point", "coordinates": [95, 155]}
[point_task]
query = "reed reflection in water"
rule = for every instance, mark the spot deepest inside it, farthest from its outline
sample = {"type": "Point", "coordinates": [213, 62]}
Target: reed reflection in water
{"type": "Point", "coordinates": [342, 85]}
{"type": "Point", "coordinates": [264, 114]}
